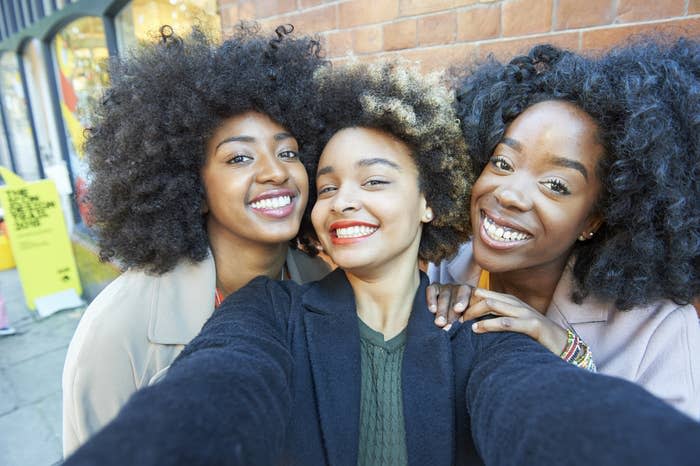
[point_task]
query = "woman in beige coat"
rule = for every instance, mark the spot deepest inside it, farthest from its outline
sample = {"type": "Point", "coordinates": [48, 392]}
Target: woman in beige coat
{"type": "Point", "coordinates": [198, 185]}
{"type": "Point", "coordinates": [586, 215]}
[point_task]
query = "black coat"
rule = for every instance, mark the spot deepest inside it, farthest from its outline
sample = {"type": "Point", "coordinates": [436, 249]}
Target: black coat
{"type": "Point", "coordinates": [274, 378]}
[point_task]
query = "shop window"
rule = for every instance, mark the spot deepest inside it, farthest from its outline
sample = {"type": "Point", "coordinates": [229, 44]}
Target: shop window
{"type": "Point", "coordinates": [81, 55]}
{"type": "Point", "coordinates": [141, 19]}
{"type": "Point", "coordinates": [20, 137]}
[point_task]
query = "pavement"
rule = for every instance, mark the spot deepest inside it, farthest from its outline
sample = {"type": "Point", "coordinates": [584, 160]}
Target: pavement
{"type": "Point", "coordinates": [31, 363]}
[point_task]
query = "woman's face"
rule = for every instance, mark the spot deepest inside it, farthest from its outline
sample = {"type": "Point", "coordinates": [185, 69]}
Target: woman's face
{"type": "Point", "coordinates": [370, 210]}
{"type": "Point", "coordinates": [536, 195]}
{"type": "Point", "coordinates": [256, 186]}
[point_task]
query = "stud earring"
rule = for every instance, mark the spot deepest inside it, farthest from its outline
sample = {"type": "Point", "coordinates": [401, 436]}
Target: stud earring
{"type": "Point", "coordinates": [429, 215]}
{"type": "Point", "coordinates": [585, 236]}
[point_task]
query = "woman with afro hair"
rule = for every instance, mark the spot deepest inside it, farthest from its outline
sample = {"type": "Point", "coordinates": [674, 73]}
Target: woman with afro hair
{"type": "Point", "coordinates": [586, 215]}
{"type": "Point", "coordinates": [350, 370]}
{"type": "Point", "coordinates": [198, 184]}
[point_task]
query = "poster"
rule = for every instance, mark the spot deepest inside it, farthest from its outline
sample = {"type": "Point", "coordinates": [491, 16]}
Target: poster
{"type": "Point", "coordinates": [40, 244]}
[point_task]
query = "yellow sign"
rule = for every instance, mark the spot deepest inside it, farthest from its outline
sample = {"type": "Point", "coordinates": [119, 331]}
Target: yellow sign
{"type": "Point", "coordinates": [38, 237]}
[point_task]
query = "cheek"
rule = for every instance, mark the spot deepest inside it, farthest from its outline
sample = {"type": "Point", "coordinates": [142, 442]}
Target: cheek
{"type": "Point", "coordinates": [301, 178]}
{"type": "Point", "coordinates": [317, 218]}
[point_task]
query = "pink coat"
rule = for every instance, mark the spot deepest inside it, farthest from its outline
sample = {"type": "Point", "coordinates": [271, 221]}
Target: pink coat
{"type": "Point", "coordinates": [656, 346]}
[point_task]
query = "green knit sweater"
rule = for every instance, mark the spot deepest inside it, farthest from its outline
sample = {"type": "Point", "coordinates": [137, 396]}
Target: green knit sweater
{"type": "Point", "coordinates": [382, 431]}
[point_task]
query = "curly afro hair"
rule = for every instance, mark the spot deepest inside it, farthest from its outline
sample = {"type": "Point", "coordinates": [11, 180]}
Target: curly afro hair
{"type": "Point", "coordinates": [645, 98]}
{"type": "Point", "coordinates": [418, 111]}
{"type": "Point", "coordinates": [147, 145]}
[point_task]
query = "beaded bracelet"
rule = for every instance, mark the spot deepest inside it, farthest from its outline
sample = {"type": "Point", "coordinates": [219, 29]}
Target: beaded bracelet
{"type": "Point", "coordinates": [577, 352]}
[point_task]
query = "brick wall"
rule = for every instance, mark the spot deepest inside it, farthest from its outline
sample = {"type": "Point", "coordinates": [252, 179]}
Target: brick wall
{"type": "Point", "coordinates": [436, 33]}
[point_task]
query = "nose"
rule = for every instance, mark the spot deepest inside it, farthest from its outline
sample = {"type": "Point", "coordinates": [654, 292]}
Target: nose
{"type": "Point", "coordinates": [345, 200]}
{"type": "Point", "coordinates": [271, 170]}
{"type": "Point", "coordinates": [513, 196]}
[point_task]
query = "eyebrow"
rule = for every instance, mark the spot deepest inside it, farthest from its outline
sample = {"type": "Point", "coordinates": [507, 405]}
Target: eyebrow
{"type": "Point", "coordinates": [277, 137]}
{"type": "Point", "coordinates": [568, 163]}
{"type": "Point", "coordinates": [362, 163]}
{"type": "Point", "coordinates": [560, 161]}
{"type": "Point", "coordinates": [510, 142]}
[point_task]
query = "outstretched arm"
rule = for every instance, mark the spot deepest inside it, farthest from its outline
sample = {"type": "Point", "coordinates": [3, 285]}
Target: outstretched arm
{"type": "Point", "coordinates": [529, 407]}
{"type": "Point", "coordinates": [220, 400]}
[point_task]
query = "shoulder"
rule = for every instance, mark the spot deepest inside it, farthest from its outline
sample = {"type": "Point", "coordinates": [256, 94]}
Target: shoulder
{"type": "Point", "coordinates": [304, 268]}
{"type": "Point", "coordinates": [460, 268]}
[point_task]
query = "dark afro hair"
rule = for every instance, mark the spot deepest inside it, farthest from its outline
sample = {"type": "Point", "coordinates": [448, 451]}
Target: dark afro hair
{"type": "Point", "coordinates": [645, 98]}
{"type": "Point", "coordinates": [147, 145]}
{"type": "Point", "coordinates": [418, 111]}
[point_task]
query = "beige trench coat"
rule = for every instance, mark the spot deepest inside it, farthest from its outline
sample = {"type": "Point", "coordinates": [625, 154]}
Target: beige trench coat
{"type": "Point", "coordinates": [132, 332]}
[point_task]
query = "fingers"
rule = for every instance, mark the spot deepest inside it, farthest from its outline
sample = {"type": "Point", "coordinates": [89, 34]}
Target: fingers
{"type": "Point", "coordinates": [504, 324]}
{"type": "Point", "coordinates": [443, 304]}
{"type": "Point", "coordinates": [488, 294]}
{"type": "Point", "coordinates": [431, 293]}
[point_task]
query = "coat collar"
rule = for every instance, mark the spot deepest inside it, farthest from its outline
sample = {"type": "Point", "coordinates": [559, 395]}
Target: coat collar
{"type": "Point", "coordinates": [427, 377]}
{"type": "Point", "coordinates": [463, 269]}
{"type": "Point", "coordinates": [181, 301]}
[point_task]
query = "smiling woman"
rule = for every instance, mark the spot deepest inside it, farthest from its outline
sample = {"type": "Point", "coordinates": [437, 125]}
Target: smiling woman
{"type": "Point", "coordinates": [585, 214]}
{"type": "Point", "coordinates": [198, 185]}
{"type": "Point", "coordinates": [350, 370]}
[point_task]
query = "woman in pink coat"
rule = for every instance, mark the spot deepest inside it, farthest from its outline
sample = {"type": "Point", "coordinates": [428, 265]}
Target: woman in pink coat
{"type": "Point", "coordinates": [586, 215]}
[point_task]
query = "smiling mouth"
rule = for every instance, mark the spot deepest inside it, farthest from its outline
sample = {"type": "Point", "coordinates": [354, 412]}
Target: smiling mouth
{"type": "Point", "coordinates": [356, 231]}
{"type": "Point", "coordinates": [502, 233]}
{"type": "Point", "coordinates": [272, 203]}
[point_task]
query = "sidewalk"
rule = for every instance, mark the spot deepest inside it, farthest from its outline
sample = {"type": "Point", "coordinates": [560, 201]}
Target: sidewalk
{"type": "Point", "coordinates": [31, 363]}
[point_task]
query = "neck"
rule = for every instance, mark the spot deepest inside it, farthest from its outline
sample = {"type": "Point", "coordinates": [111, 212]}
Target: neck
{"type": "Point", "coordinates": [384, 300]}
{"type": "Point", "coordinates": [534, 287]}
{"type": "Point", "coordinates": [238, 261]}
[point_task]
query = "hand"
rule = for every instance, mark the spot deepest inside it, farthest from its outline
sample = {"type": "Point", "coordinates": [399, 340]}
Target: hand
{"type": "Point", "coordinates": [513, 315]}
{"type": "Point", "coordinates": [447, 302]}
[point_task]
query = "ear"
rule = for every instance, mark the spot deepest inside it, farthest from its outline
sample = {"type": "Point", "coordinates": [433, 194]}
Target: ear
{"type": "Point", "coordinates": [592, 224]}
{"type": "Point", "coordinates": [427, 215]}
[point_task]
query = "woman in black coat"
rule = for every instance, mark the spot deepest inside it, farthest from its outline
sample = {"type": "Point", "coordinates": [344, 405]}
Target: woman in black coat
{"type": "Point", "coordinates": [282, 373]}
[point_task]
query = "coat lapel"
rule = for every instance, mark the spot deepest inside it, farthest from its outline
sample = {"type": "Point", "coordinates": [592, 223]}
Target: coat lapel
{"type": "Point", "coordinates": [334, 350]}
{"type": "Point", "coordinates": [428, 388]}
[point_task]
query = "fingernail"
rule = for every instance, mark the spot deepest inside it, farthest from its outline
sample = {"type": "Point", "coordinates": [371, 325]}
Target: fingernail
{"type": "Point", "coordinates": [432, 308]}
{"type": "Point", "coordinates": [475, 327]}
{"type": "Point", "coordinates": [459, 307]}
{"type": "Point", "coordinates": [447, 327]}
{"type": "Point", "coordinates": [441, 320]}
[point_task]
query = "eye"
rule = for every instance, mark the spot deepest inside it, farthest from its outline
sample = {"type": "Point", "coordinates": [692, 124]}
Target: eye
{"type": "Point", "coordinates": [374, 182]}
{"type": "Point", "coordinates": [288, 155]}
{"type": "Point", "coordinates": [326, 189]}
{"type": "Point", "coordinates": [240, 158]}
{"type": "Point", "coordinates": [557, 186]}
{"type": "Point", "coordinates": [500, 163]}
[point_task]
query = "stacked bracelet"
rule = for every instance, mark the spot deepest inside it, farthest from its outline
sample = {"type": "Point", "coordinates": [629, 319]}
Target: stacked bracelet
{"type": "Point", "coordinates": [577, 352]}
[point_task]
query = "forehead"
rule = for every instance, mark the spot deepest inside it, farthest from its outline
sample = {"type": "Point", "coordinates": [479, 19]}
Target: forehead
{"type": "Point", "coordinates": [556, 128]}
{"type": "Point", "coordinates": [350, 146]}
{"type": "Point", "coordinates": [249, 123]}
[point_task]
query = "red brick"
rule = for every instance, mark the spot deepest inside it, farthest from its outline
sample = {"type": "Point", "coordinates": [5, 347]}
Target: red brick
{"type": "Point", "coordinates": [265, 8]}
{"type": "Point", "coordinates": [246, 10]}
{"type": "Point", "coordinates": [400, 35]}
{"type": "Point", "coordinates": [368, 39]}
{"type": "Point", "coordinates": [603, 39]}
{"type": "Point", "coordinates": [438, 58]}
{"type": "Point", "coordinates": [338, 43]}
{"type": "Point", "coordinates": [316, 20]}
{"type": "Point", "coordinates": [363, 12]}
{"type": "Point", "coordinates": [693, 8]}
{"type": "Point", "coordinates": [577, 14]}
{"type": "Point", "coordinates": [639, 10]}
{"type": "Point", "coordinates": [229, 15]}
{"type": "Point", "coordinates": [524, 17]}
{"type": "Point", "coordinates": [437, 29]}
{"type": "Point", "coordinates": [309, 3]}
{"type": "Point", "coordinates": [417, 7]}
{"type": "Point", "coordinates": [507, 49]}
{"type": "Point", "coordinates": [459, 3]}
{"type": "Point", "coordinates": [479, 23]}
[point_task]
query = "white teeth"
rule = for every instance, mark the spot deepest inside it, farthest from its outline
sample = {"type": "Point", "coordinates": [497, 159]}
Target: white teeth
{"type": "Point", "coordinates": [272, 203]}
{"type": "Point", "coordinates": [355, 231]}
{"type": "Point", "coordinates": [501, 233]}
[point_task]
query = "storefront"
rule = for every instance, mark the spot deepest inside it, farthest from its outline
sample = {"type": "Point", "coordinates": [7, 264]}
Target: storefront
{"type": "Point", "coordinates": [53, 67]}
